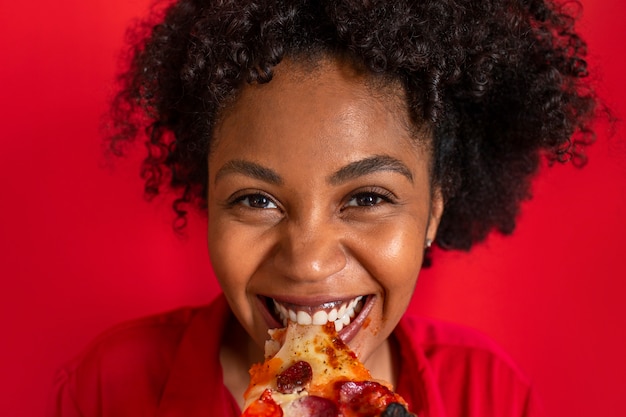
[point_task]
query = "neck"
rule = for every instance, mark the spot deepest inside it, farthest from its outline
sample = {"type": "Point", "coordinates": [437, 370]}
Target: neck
{"type": "Point", "coordinates": [383, 363]}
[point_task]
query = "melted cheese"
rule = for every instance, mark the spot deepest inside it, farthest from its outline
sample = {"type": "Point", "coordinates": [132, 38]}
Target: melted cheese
{"type": "Point", "coordinates": [330, 359]}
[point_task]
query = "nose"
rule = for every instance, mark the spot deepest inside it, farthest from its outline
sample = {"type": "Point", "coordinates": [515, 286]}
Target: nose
{"type": "Point", "coordinates": [310, 252]}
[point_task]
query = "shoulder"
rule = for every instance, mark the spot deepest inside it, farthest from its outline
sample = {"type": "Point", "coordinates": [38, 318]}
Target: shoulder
{"type": "Point", "coordinates": [137, 342]}
{"type": "Point", "coordinates": [438, 338]}
{"type": "Point", "coordinates": [126, 365]}
{"type": "Point", "coordinates": [469, 370]}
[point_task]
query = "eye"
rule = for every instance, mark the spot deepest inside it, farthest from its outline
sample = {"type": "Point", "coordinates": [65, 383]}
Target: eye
{"type": "Point", "coordinates": [369, 199]}
{"type": "Point", "coordinates": [256, 201]}
{"type": "Point", "coordinates": [364, 200]}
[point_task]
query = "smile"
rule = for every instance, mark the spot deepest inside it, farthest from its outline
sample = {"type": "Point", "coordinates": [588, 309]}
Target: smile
{"type": "Point", "coordinates": [341, 312]}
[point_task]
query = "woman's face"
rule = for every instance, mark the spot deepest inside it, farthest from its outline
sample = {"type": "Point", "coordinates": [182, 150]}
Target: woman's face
{"type": "Point", "coordinates": [320, 204]}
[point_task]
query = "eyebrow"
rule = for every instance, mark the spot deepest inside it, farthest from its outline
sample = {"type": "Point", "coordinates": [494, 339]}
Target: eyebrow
{"type": "Point", "coordinates": [250, 169]}
{"type": "Point", "coordinates": [349, 172]}
{"type": "Point", "coordinates": [369, 166]}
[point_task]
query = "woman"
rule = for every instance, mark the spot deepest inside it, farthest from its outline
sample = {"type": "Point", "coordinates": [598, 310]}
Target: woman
{"type": "Point", "coordinates": [331, 144]}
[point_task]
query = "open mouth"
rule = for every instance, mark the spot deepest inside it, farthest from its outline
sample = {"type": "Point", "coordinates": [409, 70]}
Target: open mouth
{"type": "Point", "coordinates": [348, 315]}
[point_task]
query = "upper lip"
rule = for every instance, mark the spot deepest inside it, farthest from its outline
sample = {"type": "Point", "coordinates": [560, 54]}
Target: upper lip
{"type": "Point", "coordinates": [311, 302]}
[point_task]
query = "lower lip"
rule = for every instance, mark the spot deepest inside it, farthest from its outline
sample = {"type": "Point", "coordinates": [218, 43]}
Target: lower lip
{"type": "Point", "coordinates": [347, 333]}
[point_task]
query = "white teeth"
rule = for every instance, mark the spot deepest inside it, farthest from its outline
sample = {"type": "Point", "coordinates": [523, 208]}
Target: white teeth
{"type": "Point", "coordinates": [304, 318]}
{"type": "Point", "coordinates": [320, 317]}
{"type": "Point", "coordinates": [341, 318]}
{"type": "Point", "coordinates": [338, 325]}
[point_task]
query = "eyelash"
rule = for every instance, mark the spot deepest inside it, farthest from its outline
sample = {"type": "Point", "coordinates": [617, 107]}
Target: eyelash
{"type": "Point", "coordinates": [384, 196]}
{"type": "Point", "coordinates": [256, 194]}
{"type": "Point", "coordinates": [379, 196]}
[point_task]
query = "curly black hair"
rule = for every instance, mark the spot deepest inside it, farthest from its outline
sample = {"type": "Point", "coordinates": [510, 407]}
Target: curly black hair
{"type": "Point", "coordinates": [501, 83]}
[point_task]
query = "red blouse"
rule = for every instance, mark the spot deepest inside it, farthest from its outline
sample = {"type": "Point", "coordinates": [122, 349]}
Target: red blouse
{"type": "Point", "coordinates": [168, 365]}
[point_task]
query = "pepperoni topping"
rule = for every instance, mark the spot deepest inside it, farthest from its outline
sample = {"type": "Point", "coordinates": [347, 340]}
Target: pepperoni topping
{"type": "Point", "coordinates": [364, 398]}
{"type": "Point", "coordinates": [294, 378]}
{"type": "Point", "coordinates": [313, 406]}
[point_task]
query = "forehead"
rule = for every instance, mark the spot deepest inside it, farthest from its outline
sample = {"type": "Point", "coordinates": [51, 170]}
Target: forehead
{"type": "Point", "coordinates": [315, 109]}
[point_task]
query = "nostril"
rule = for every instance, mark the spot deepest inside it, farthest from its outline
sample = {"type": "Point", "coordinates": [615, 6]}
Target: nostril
{"type": "Point", "coordinates": [309, 253]}
{"type": "Point", "coordinates": [310, 262]}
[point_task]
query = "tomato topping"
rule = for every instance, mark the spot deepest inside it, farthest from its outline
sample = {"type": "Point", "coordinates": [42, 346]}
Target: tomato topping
{"type": "Point", "coordinates": [263, 407]}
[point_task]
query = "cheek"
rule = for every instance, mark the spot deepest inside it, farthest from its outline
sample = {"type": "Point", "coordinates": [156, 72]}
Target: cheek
{"type": "Point", "coordinates": [225, 249]}
{"type": "Point", "coordinates": [396, 265]}
{"type": "Point", "coordinates": [398, 257]}
{"type": "Point", "coordinates": [237, 252]}
{"type": "Point", "coordinates": [233, 268]}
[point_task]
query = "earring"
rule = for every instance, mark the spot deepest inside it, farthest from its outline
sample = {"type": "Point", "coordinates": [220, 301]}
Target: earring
{"type": "Point", "coordinates": [429, 243]}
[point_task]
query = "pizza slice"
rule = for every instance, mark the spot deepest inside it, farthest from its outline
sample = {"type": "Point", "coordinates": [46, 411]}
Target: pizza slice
{"type": "Point", "coordinates": [309, 371]}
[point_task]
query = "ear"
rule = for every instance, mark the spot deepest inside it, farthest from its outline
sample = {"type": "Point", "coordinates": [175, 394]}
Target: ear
{"type": "Point", "coordinates": [436, 211]}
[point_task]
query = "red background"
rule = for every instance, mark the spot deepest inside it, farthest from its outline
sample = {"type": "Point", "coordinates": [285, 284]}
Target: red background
{"type": "Point", "coordinates": [81, 250]}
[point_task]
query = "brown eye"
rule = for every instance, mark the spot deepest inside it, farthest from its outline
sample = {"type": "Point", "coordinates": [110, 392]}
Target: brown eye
{"type": "Point", "coordinates": [258, 201]}
{"type": "Point", "coordinates": [366, 200]}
